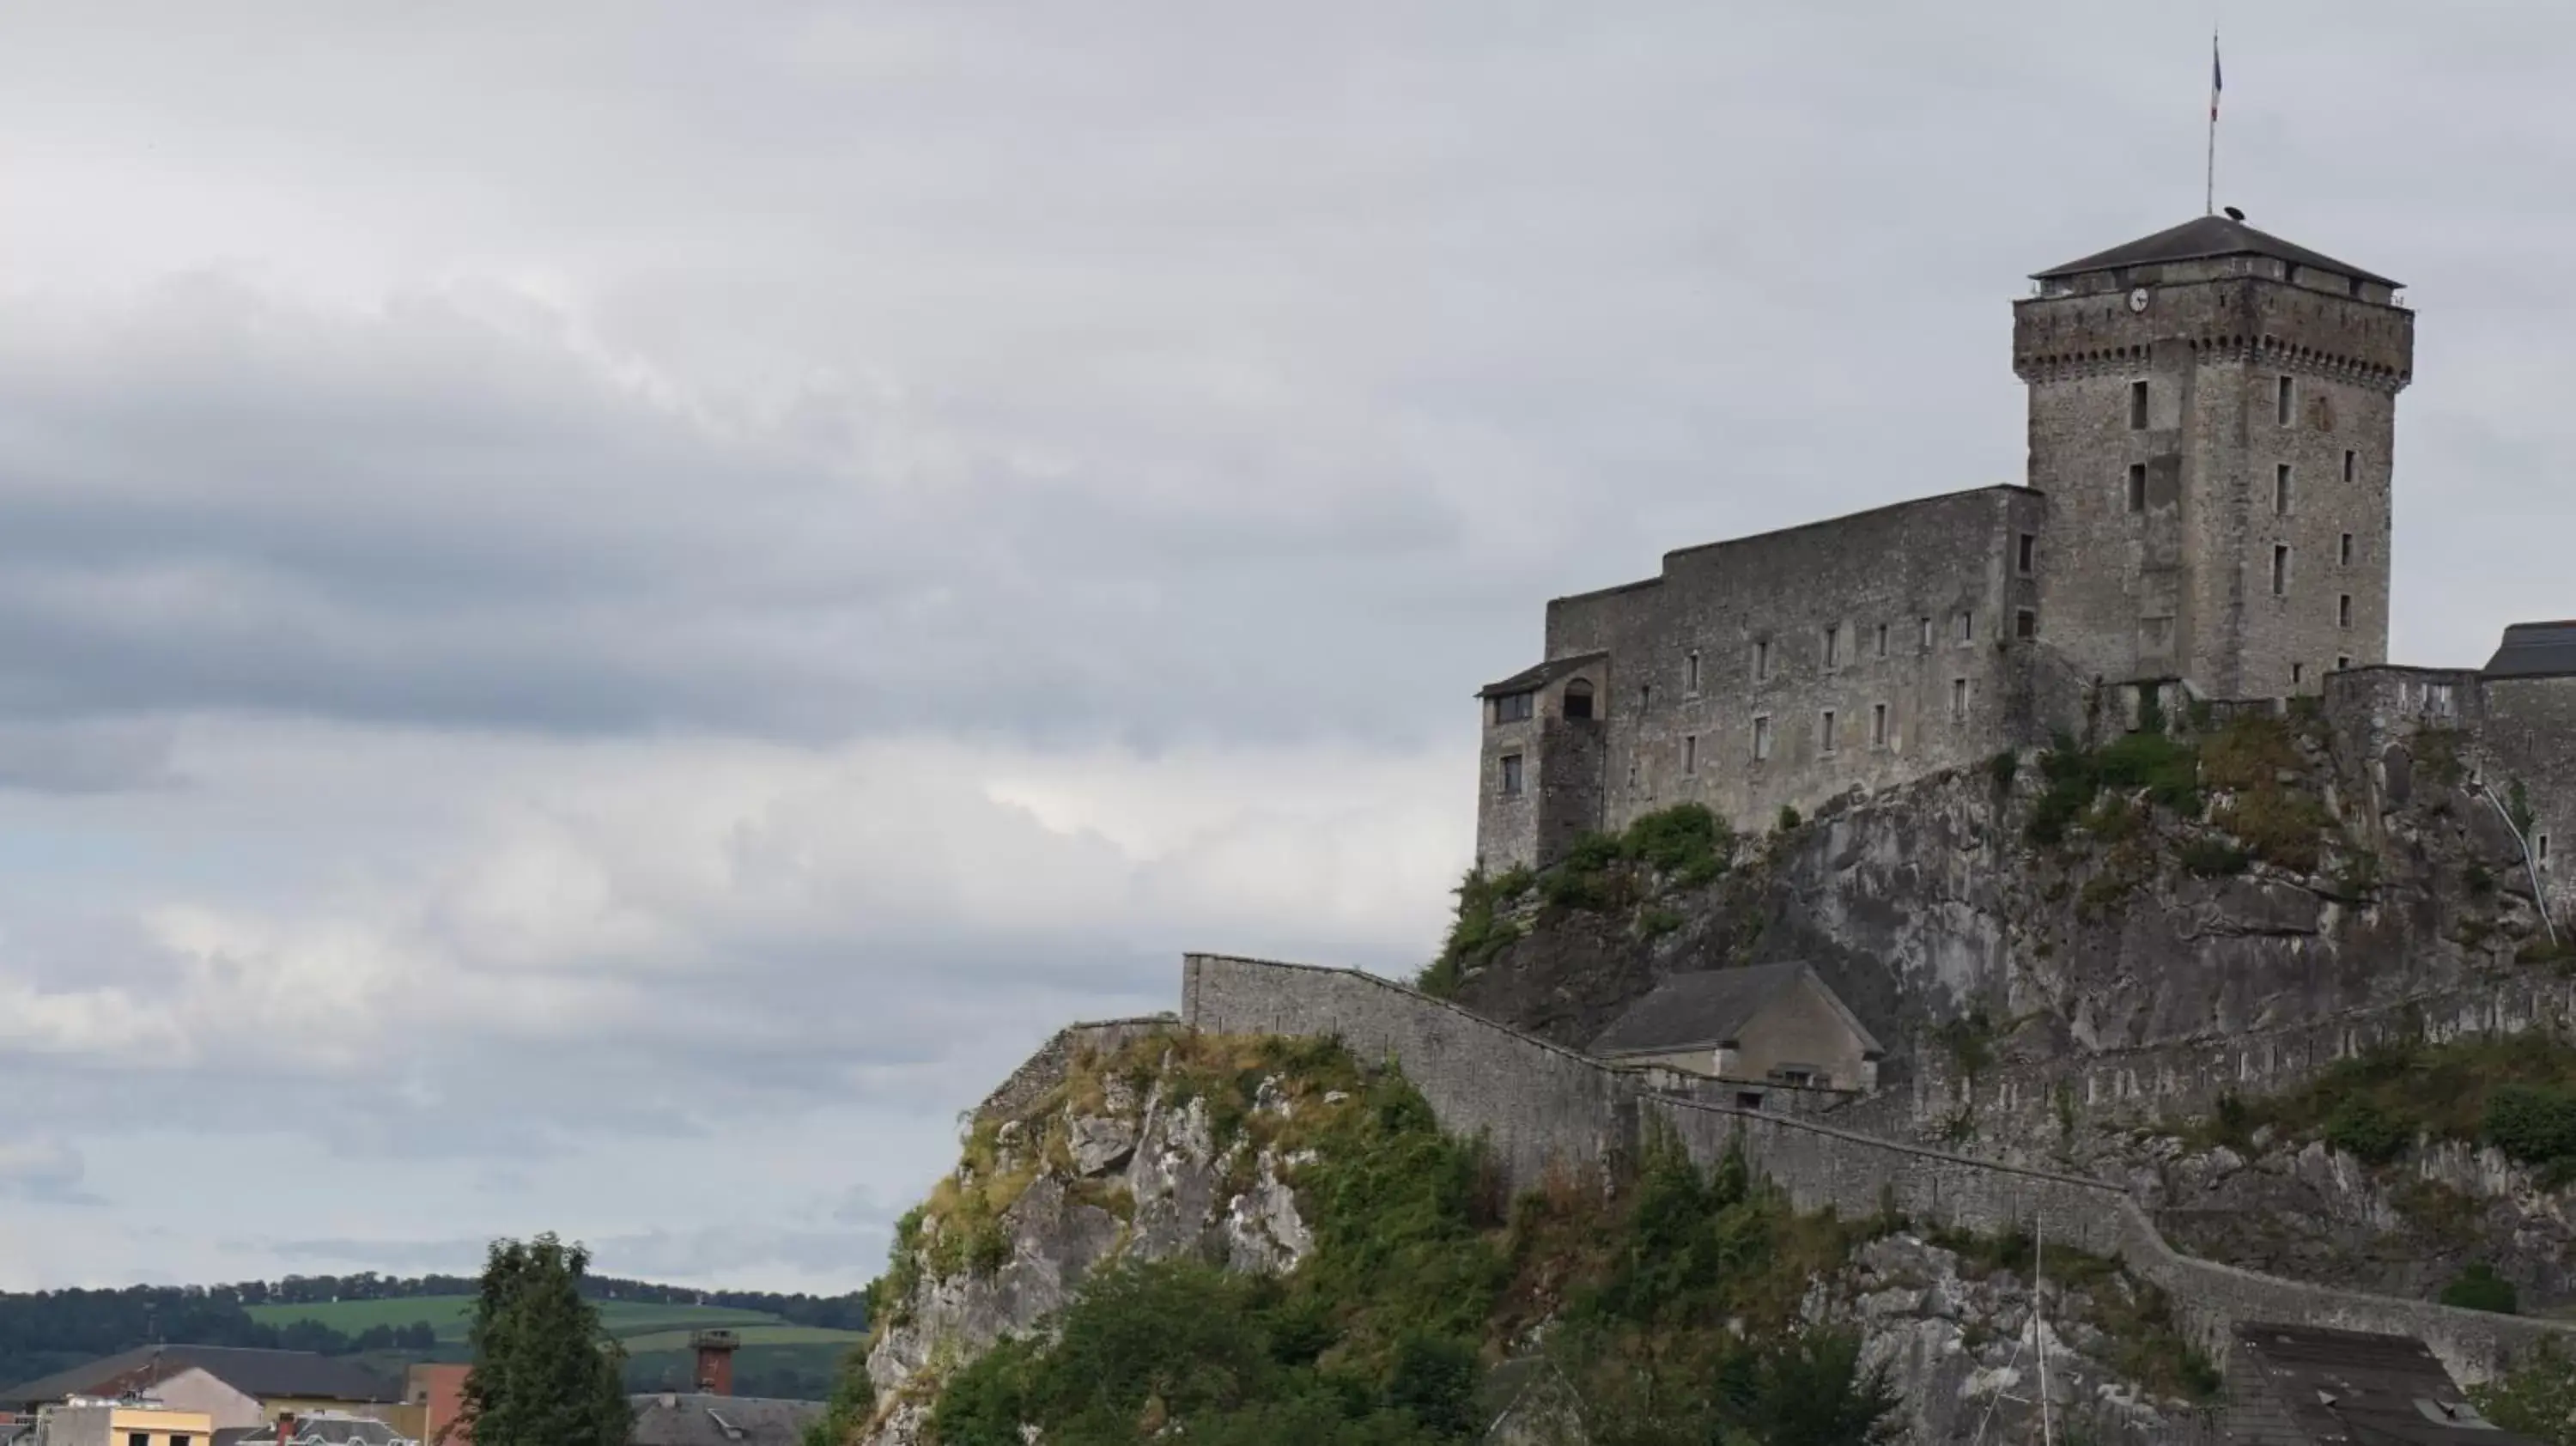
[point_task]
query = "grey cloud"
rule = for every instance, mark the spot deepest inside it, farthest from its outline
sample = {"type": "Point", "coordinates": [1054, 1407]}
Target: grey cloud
{"type": "Point", "coordinates": [104, 755]}
{"type": "Point", "coordinates": [44, 1169]}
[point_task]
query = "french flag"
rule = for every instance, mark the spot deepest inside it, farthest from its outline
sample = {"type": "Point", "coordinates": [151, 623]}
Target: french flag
{"type": "Point", "coordinates": [2213, 77]}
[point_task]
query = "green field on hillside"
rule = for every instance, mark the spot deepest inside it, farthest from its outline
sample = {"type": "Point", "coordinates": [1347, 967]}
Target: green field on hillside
{"type": "Point", "coordinates": [447, 1314]}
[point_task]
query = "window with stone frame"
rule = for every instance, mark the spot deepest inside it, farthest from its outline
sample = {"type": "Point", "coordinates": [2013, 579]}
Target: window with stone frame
{"type": "Point", "coordinates": [1510, 780]}
{"type": "Point", "coordinates": [1966, 627]}
{"type": "Point", "coordinates": [2137, 406]}
{"type": "Point", "coordinates": [1878, 725]}
{"type": "Point", "coordinates": [1690, 753]}
{"type": "Point", "coordinates": [1762, 660]}
{"type": "Point", "coordinates": [1833, 645]}
{"type": "Point", "coordinates": [2137, 487]}
{"type": "Point", "coordinates": [1958, 697]}
{"type": "Point", "coordinates": [1514, 707]}
{"type": "Point", "coordinates": [1825, 730]}
{"type": "Point", "coordinates": [1882, 640]}
{"type": "Point", "coordinates": [2280, 569]}
{"type": "Point", "coordinates": [2285, 402]}
{"type": "Point", "coordinates": [1761, 736]}
{"type": "Point", "coordinates": [1690, 672]}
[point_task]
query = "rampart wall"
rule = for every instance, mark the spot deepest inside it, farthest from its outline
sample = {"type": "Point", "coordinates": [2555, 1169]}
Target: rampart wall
{"type": "Point", "coordinates": [1045, 1069]}
{"type": "Point", "coordinates": [1539, 1104]}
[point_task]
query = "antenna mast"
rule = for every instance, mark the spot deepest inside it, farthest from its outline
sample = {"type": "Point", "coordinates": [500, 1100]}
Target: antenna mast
{"type": "Point", "coordinates": [2209, 176]}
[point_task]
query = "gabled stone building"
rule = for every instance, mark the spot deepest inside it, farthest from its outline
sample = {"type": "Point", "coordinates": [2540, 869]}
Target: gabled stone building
{"type": "Point", "coordinates": [2206, 515]}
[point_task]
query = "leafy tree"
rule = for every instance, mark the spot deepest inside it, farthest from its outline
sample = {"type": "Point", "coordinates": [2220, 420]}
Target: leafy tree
{"type": "Point", "coordinates": [545, 1373]}
{"type": "Point", "coordinates": [2480, 1288]}
{"type": "Point", "coordinates": [1816, 1393]}
{"type": "Point", "coordinates": [2537, 1398]}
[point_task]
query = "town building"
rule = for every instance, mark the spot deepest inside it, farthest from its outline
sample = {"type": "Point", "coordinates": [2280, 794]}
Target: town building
{"type": "Point", "coordinates": [713, 1415]}
{"type": "Point", "coordinates": [2205, 515]}
{"type": "Point", "coordinates": [1769, 1024]}
{"type": "Point", "coordinates": [234, 1386]}
{"type": "Point", "coordinates": [325, 1428]}
{"type": "Point", "coordinates": [129, 1421]}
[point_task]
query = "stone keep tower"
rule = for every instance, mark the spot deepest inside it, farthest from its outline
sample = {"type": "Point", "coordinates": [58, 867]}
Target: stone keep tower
{"type": "Point", "coordinates": [2211, 415]}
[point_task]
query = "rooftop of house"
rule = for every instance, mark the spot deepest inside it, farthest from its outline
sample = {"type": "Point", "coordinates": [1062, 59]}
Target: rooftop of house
{"type": "Point", "coordinates": [325, 1428]}
{"type": "Point", "coordinates": [1708, 1009]}
{"type": "Point", "coordinates": [1531, 679]}
{"type": "Point", "coordinates": [2346, 1386]}
{"type": "Point", "coordinates": [673, 1419]}
{"type": "Point", "coordinates": [2535, 650]}
{"type": "Point", "coordinates": [262, 1374]}
{"type": "Point", "coordinates": [2204, 238]}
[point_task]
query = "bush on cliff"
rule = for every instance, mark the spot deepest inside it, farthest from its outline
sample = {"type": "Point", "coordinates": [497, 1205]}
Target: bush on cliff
{"type": "Point", "coordinates": [2516, 1092]}
{"type": "Point", "coordinates": [2537, 1397]}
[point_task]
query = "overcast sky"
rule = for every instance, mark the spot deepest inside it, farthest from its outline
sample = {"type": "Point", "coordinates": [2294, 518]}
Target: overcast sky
{"type": "Point", "coordinates": [607, 611]}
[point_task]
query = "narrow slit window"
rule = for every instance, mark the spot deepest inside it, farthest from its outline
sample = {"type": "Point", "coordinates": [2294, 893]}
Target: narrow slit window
{"type": "Point", "coordinates": [2026, 623]}
{"type": "Point", "coordinates": [1834, 646]}
{"type": "Point", "coordinates": [2281, 570]}
{"type": "Point", "coordinates": [1645, 696]}
{"type": "Point", "coordinates": [1762, 662]}
{"type": "Point", "coordinates": [1967, 627]}
{"type": "Point", "coordinates": [1690, 753]}
{"type": "Point", "coordinates": [1826, 729]}
{"type": "Point", "coordinates": [1882, 640]}
{"type": "Point", "coordinates": [2029, 553]}
{"type": "Point", "coordinates": [2540, 848]}
{"type": "Point", "coordinates": [1925, 642]}
{"type": "Point", "coordinates": [2137, 406]}
{"type": "Point", "coordinates": [2281, 490]}
{"type": "Point", "coordinates": [2348, 463]}
{"type": "Point", "coordinates": [2285, 400]}
{"type": "Point", "coordinates": [1690, 672]}
{"type": "Point", "coordinates": [1958, 697]}
{"type": "Point", "coordinates": [2298, 674]}
{"type": "Point", "coordinates": [2343, 551]}
{"type": "Point", "coordinates": [1878, 725]}
{"type": "Point", "coordinates": [2343, 611]}
{"type": "Point", "coordinates": [1761, 736]}
{"type": "Point", "coordinates": [2137, 487]}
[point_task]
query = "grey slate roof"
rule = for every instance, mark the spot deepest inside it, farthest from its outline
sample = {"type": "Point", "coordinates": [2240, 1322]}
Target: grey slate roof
{"type": "Point", "coordinates": [333, 1429]}
{"type": "Point", "coordinates": [2199, 239]}
{"type": "Point", "coordinates": [255, 1373]}
{"type": "Point", "coordinates": [703, 1420]}
{"type": "Point", "coordinates": [2535, 650]}
{"type": "Point", "coordinates": [1703, 1010]}
{"type": "Point", "coordinates": [2347, 1386]}
{"type": "Point", "coordinates": [1545, 673]}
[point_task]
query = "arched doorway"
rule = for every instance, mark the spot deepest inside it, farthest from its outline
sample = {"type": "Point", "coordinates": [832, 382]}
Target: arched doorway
{"type": "Point", "coordinates": [1578, 699]}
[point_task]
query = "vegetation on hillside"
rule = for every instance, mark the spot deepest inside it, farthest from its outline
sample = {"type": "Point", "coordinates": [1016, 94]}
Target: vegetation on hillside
{"type": "Point", "coordinates": [1675, 1304]}
{"type": "Point", "coordinates": [2537, 1397]}
{"type": "Point", "coordinates": [2516, 1092]}
{"type": "Point", "coordinates": [1662, 853]}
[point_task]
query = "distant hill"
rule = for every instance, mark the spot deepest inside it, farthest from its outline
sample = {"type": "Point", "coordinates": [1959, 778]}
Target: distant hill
{"type": "Point", "coordinates": [792, 1344]}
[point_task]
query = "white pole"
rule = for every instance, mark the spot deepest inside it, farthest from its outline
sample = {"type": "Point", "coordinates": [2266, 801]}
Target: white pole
{"type": "Point", "coordinates": [2209, 192]}
{"type": "Point", "coordinates": [2039, 1321]}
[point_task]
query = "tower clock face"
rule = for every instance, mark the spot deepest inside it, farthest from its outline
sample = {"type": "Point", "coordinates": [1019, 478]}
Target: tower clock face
{"type": "Point", "coordinates": [2138, 299]}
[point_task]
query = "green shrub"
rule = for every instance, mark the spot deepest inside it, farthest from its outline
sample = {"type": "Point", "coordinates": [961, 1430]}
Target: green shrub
{"type": "Point", "coordinates": [2361, 1129]}
{"type": "Point", "coordinates": [2535, 1124]}
{"type": "Point", "coordinates": [2537, 1397]}
{"type": "Point", "coordinates": [1789, 819]}
{"type": "Point", "coordinates": [1687, 843]}
{"type": "Point", "coordinates": [2213, 858]}
{"type": "Point", "coordinates": [2480, 1288]}
{"type": "Point", "coordinates": [2003, 768]}
{"type": "Point", "coordinates": [1656, 923]}
{"type": "Point", "coordinates": [1478, 931]}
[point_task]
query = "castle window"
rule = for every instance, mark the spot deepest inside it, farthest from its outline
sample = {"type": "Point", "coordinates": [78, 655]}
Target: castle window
{"type": "Point", "coordinates": [2298, 674]}
{"type": "Point", "coordinates": [1514, 707]}
{"type": "Point", "coordinates": [2343, 611]}
{"type": "Point", "coordinates": [1645, 696]}
{"type": "Point", "coordinates": [1690, 753]}
{"type": "Point", "coordinates": [2437, 700]}
{"type": "Point", "coordinates": [1958, 697]}
{"type": "Point", "coordinates": [1761, 736]}
{"type": "Point", "coordinates": [1926, 643]}
{"type": "Point", "coordinates": [2285, 401]}
{"type": "Point", "coordinates": [2281, 570]}
{"type": "Point", "coordinates": [2344, 551]}
{"type": "Point", "coordinates": [2029, 553]}
{"type": "Point", "coordinates": [1967, 627]}
{"type": "Point", "coordinates": [2342, 661]}
{"type": "Point", "coordinates": [1690, 672]}
{"type": "Point", "coordinates": [2347, 464]}
{"type": "Point", "coordinates": [1511, 780]}
{"type": "Point", "coordinates": [2026, 624]}
{"type": "Point", "coordinates": [1762, 661]}
{"type": "Point", "coordinates": [2281, 490]}
{"type": "Point", "coordinates": [2137, 487]}
{"type": "Point", "coordinates": [1878, 725]}
{"type": "Point", "coordinates": [1833, 645]}
{"type": "Point", "coordinates": [1882, 640]}
{"type": "Point", "coordinates": [1578, 699]}
{"type": "Point", "coordinates": [1826, 730]}
{"type": "Point", "coordinates": [2137, 406]}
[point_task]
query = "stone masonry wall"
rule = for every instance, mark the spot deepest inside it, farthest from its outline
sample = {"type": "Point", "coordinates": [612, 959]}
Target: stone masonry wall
{"type": "Point", "coordinates": [1540, 1105]}
{"type": "Point", "coordinates": [1918, 599]}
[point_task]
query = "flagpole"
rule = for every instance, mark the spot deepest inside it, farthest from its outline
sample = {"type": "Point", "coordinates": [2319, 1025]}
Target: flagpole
{"type": "Point", "coordinates": [2209, 175]}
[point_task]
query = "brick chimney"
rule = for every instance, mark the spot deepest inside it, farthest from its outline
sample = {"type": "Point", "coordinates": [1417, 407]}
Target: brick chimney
{"type": "Point", "coordinates": [715, 1360]}
{"type": "Point", "coordinates": [285, 1427]}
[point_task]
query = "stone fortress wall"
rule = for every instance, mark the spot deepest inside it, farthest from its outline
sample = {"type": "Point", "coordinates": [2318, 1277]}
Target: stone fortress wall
{"type": "Point", "coordinates": [1783, 670]}
{"type": "Point", "coordinates": [1545, 1107]}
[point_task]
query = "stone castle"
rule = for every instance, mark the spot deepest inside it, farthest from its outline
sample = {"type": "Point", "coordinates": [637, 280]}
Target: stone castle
{"type": "Point", "coordinates": [2206, 517]}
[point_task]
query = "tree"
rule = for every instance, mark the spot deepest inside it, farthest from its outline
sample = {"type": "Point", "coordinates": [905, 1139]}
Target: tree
{"type": "Point", "coordinates": [2537, 1397]}
{"type": "Point", "coordinates": [544, 1372]}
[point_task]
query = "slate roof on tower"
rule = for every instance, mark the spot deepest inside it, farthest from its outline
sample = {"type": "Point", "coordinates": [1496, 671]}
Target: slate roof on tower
{"type": "Point", "coordinates": [2202, 238]}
